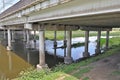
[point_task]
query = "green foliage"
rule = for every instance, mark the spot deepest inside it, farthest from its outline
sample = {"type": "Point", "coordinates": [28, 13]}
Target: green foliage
{"type": "Point", "coordinates": [81, 71]}
{"type": "Point", "coordinates": [71, 78]}
{"type": "Point", "coordinates": [86, 78]}
{"type": "Point", "coordinates": [112, 41]}
{"type": "Point", "coordinates": [73, 71]}
{"type": "Point", "coordinates": [116, 73]}
{"type": "Point", "coordinates": [33, 74]}
{"type": "Point", "coordinates": [78, 33]}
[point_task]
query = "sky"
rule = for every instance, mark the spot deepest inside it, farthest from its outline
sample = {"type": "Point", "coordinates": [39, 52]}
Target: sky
{"type": "Point", "coordinates": [7, 4]}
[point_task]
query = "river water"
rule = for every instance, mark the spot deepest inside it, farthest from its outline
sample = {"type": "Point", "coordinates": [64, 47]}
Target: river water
{"type": "Point", "coordinates": [77, 52]}
{"type": "Point", "coordinates": [12, 62]}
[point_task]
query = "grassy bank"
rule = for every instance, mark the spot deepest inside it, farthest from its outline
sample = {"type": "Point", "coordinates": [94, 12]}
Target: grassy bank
{"type": "Point", "coordinates": [73, 71]}
{"type": "Point", "coordinates": [112, 41]}
{"type": "Point", "coordinates": [78, 33]}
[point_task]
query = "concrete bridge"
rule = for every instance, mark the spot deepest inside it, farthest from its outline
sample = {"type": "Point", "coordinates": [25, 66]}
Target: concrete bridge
{"type": "Point", "coordinates": [61, 15]}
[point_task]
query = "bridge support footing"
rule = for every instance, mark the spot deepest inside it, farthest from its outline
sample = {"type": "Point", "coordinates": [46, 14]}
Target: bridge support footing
{"type": "Point", "coordinates": [39, 67]}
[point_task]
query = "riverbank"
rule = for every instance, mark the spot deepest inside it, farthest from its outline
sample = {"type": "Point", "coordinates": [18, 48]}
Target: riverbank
{"type": "Point", "coordinates": [78, 33]}
{"type": "Point", "coordinates": [75, 71]}
{"type": "Point", "coordinates": [112, 41]}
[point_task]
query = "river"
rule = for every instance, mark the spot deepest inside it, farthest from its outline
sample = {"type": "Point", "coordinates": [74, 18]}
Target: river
{"type": "Point", "coordinates": [12, 62]}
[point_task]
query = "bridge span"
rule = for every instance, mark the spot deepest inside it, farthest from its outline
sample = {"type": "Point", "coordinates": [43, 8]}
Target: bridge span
{"type": "Point", "coordinates": [61, 15]}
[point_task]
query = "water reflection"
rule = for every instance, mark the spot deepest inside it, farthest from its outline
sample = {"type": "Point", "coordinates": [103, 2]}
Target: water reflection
{"type": "Point", "coordinates": [77, 52]}
{"type": "Point", "coordinates": [10, 64]}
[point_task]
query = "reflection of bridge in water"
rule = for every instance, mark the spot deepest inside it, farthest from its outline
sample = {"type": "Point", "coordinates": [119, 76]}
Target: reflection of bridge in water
{"type": "Point", "coordinates": [61, 15]}
{"type": "Point", "coordinates": [10, 64]}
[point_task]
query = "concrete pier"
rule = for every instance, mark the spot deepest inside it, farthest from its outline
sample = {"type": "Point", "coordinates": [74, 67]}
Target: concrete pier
{"type": "Point", "coordinates": [65, 45]}
{"type": "Point", "coordinates": [24, 35]}
{"type": "Point", "coordinates": [107, 40]}
{"type": "Point", "coordinates": [55, 43]}
{"type": "Point", "coordinates": [9, 47]}
{"type": "Point", "coordinates": [98, 51]}
{"type": "Point", "coordinates": [4, 32]}
{"type": "Point", "coordinates": [12, 39]}
{"type": "Point", "coordinates": [28, 36]}
{"type": "Point", "coordinates": [42, 63]}
{"type": "Point", "coordinates": [34, 39]}
{"type": "Point", "coordinates": [68, 59]}
{"type": "Point", "coordinates": [86, 53]}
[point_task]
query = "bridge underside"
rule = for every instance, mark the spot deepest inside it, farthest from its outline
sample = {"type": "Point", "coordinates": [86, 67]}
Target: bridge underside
{"type": "Point", "coordinates": [75, 15]}
{"type": "Point", "coordinates": [105, 20]}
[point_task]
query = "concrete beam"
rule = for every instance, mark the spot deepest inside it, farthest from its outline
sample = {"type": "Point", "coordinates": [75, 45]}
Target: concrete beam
{"type": "Point", "coordinates": [95, 28]}
{"type": "Point", "coordinates": [28, 26]}
{"type": "Point", "coordinates": [57, 27]}
{"type": "Point", "coordinates": [14, 27]}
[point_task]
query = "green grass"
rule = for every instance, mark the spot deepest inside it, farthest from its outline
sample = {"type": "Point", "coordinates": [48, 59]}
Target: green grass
{"type": "Point", "coordinates": [112, 41]}
{"type": "Point", "coordinates": [116, 73]}
{"type": "Point", "coordinates": [78, 33]}
{"type": "Point", "coordinates": [86, 78]}
{"type": "Point", "coordinates": [73, 71]}
{"type": "Point", "coordinates": [81, 71]}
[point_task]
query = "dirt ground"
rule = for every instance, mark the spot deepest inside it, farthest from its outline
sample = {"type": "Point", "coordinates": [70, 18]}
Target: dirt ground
{"type": "Point", "coordinates": [105, 69]}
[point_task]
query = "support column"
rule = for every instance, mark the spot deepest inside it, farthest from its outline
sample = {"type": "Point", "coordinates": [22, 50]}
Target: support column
{"type": "Point", "coordinates": [24, 35]}
{"type": "Point", "coordinates": [34, 39]}
{"type": "Point", "coordinates": [98, 51]}
{"type": "Point", "coordinates": [42, 63]}
{"type": "Point", "coordinates": [28, 27]}
{"type": "Point", "coordinates": [107, 40]}
{"type": "Point", "coordinates": [9, 47]}
{"type": "Point", "coordinates": [28, 38]}
{"type": "Point", "coordinates": [68, 59]}
{"type": "Point", "coordinates": [12, 36]}
{"type": "Point", "coordinates": [4, 34]}
{"type": "Point", "coordinates": [55, 43]}
{"type": "Point", "coordinates": [86, 53]}
{"type": "Point", "coordinates": [65, 45]}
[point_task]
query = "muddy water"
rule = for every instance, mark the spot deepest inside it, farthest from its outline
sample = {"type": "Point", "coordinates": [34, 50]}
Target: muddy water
{"type": "Point", "coordinates": [10, 64]}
